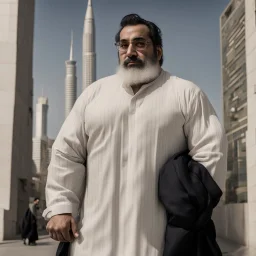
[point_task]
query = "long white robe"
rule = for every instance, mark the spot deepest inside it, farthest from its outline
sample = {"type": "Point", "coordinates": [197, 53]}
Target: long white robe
{"type": "Point", "coordinates": [123, 140]}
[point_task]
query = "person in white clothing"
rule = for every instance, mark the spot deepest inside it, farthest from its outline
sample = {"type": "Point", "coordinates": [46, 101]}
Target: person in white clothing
{"type": "Point", "coordinates": [107, 156]}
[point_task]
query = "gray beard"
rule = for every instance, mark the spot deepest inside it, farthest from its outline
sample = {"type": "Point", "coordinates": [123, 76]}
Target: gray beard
{"type": "Point", "coordinates": [137, 76]}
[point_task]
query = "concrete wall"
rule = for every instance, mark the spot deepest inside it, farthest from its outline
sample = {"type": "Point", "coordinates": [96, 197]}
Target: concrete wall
{"type": "Point", "coordinates": [250, 32]}
{"type": "Point", "coordinates": [16, 91]}
{"type": "Point", "coordinates": [231, 222]}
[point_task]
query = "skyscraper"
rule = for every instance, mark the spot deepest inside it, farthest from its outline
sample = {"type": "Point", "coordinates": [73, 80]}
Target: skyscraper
{"type": "Point", "coordinates": [40, 151]}
{"type": "Point", "coordinates": [41, 118]}
{"type": "Point", "coordinates": [235, 98]}
{"type": "Point", "coordinates": [235, 220]}
{"type": "Point", "coordinates": [40, 142]}
{"type": "Point", "coordinates": [89, 54]}
{"type": "Point", "coordinates": [70, 81]}
{"type": "Point", "coordinates": [250, 32]}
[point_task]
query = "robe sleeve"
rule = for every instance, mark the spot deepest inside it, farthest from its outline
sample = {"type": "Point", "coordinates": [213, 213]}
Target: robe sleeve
{"type": "Point", "coordinates": [206, 137]}
{"type": "Point", "coordinates": [65, 184]}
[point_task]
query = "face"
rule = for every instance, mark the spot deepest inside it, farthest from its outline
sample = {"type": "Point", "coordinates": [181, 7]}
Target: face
{"type": "Point", "coordinates": [37, 201]}
{"type": "Point", "coordinates": [133, 58]}
{"type": "Point", "coordinates": [138, 65]}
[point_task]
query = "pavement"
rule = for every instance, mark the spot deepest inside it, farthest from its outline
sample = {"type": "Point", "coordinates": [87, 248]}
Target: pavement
{"type": "Point", "coordinates": [229, 248]}
{"type": "Point", "coordinates": [47, 247]}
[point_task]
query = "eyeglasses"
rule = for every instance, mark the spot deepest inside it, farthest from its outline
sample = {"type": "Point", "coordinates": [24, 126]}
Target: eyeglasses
{"type": "Point", "coordinates": [138, 45]}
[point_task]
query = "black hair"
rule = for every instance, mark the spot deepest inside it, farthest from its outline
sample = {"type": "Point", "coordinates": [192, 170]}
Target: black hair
{"type": "Point", "coordinates": [36, 198]}
{"type": "Point", "coordinates": [155, 33]}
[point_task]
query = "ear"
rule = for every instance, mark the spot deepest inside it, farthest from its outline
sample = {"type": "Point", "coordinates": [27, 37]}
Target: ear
{"type": "Point", "coordinates": [159, 52]}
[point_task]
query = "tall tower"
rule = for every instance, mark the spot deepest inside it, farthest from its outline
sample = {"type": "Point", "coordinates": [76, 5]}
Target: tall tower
{"type": "Point", "coordinates": [70, 81]}
{"type": "Point", "coordinates": [41, 118]}
{"type": "Point", "coordinates": [232, 215]}
{"type": "Point", "coordinates": [89, 54]}
{"type": "Point", "coordinates": [40, 151]}
{"type": "Point", "coordinates": [250, 33]}
{"type": "Point", "coordinates": [234, 91]}
{"type": "Point", "coordinates": [40, 140]}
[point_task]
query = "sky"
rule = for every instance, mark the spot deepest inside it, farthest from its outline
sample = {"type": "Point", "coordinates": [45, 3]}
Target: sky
{"type": "Point", "coordinates": [191, 44]}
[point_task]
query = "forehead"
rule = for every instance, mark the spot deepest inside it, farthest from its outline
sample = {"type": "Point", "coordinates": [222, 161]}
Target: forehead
{"type": "Point", "coordinates": [130, 32]}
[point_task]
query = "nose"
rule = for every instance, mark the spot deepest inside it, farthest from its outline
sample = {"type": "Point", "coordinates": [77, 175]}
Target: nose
{"type": "Point", "coordinates": [131, 51]}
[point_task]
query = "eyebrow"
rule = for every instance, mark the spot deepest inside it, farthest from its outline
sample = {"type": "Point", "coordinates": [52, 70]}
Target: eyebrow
{"type": "Point", "coordinates": [134, 39]}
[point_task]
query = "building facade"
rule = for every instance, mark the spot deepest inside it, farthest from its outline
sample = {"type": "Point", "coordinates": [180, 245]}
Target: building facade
{"type": "Point", "coordinates": [250, 32]}
{"type": "Point", "coordinates": [234, 84]}
{"type": "Point", "coordinates": [235, 220]}
{"type": "Point", "coordinates": [16, 91]}
{"type": "Point", "coordinates": [40, 154]}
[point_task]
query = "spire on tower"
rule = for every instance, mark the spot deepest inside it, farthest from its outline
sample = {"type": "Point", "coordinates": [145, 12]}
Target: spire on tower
{"type": "Point", "coordinates": [89, 11]}
{"type": "Point", "coordinates": [71, 47]}
{"type": "Point", "coordinates": [70, 80]}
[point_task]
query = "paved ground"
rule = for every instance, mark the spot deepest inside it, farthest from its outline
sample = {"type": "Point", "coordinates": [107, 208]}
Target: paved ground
{"type": "Point", "coordinates": [231, 249]}
{"type": "Point", "coordinates": [47, 247]}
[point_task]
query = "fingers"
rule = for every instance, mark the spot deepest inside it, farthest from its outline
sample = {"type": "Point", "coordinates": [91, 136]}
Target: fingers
{"type": "Point", "coordinates": [74, 228]}
{"type": "Point", "coordinates": [59, 229]}
{"type": "Point", "coordinates": [53, 235]}
{"type": "Point", "coordinates": [60, 237]}
{"type": "Point", "coordinates": [67, 235]}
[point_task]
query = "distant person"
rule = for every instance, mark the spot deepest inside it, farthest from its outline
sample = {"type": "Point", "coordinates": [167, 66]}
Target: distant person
{"type": "Point", "coordinates": [29, 224]}
{"type": "Point", "coordinates": [107, 156]}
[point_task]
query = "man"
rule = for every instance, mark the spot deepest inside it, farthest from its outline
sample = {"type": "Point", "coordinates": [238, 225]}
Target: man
{"type": "Point", "coordinates": [29, 224]}
{"type": "Point", "coordinates": [108, 153]}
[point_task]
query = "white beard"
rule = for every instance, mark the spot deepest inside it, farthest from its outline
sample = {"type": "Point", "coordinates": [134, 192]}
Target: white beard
{"type": "Point", "coordinates": [135, 76]}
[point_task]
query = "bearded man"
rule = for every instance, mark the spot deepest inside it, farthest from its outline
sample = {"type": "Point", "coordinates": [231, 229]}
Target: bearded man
{"type": "Point", "coordinates": [107, 156]}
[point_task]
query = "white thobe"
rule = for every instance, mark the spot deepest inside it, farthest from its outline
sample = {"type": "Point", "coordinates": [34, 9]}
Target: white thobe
{"type": "Point", "coordinates": [107, 156]}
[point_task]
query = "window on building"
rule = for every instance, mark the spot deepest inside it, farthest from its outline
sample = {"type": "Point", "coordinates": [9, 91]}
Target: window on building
{"type": "Point", "coordinates": [236, 184]}
{"type": "Point", "coordinates": [228, 11]}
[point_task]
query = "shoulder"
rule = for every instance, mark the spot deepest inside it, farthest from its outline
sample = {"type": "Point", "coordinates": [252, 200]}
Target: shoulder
{"type": "Point", "coordinates": [183, 87]}
{"type": "Point", "coordinates": [93, 90]}
{"type": "Point", "coordinates": [185, 90]}
{"type": "Point", "coordinates": [187, 93]}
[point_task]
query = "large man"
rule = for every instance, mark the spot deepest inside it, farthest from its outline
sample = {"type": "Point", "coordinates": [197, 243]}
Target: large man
{"type": "Point", "coordinates": [108, 153]}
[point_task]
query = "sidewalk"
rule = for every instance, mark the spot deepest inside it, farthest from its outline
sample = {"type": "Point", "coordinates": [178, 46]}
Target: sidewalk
{"type": "Point", "coordinates": [229, 248]}
{"type": "Point", "coordinates": [45, 246]}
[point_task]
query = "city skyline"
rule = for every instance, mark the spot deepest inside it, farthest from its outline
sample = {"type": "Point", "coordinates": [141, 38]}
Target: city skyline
{"type": "Point", "coordinates": [191, 44]}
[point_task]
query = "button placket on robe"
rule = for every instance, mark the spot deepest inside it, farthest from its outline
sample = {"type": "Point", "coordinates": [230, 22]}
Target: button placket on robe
{"type": "Point", "coordinates": [132, 107]}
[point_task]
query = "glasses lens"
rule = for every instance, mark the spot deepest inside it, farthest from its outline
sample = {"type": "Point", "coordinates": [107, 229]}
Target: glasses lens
{"type": "Point", "coordinates": [137, 45]}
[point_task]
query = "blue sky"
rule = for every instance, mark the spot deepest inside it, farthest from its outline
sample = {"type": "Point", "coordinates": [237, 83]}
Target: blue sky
{"type": "Point", "coordinates": [191, 41]}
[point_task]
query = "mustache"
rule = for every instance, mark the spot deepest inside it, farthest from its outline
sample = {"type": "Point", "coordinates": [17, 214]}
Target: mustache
{"type": "Point", "coordinates": [133, 59]}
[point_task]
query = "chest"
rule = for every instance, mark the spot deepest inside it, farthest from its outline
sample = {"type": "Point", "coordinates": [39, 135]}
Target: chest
{"type": "Point", "coordinates": [156, 109]}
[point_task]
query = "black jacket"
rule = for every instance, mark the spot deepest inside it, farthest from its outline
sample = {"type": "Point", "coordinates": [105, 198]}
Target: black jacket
{"type": "Point", "coordinates": [189, 194]}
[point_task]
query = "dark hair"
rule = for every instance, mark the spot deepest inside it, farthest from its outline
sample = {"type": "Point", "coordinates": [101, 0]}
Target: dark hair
{"type": "Point", "coordinates": [36, 198]}
{"type": "Point", "coordinates": [155, 33]}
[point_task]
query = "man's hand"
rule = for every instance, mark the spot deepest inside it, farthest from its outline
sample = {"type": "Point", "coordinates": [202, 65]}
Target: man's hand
{"type": "Point", "coordinates": [62, 228]}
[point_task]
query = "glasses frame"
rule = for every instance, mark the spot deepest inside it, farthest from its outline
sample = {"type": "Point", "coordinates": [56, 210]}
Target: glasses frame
{"type": "Point", "coordinates": [117, 44]}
